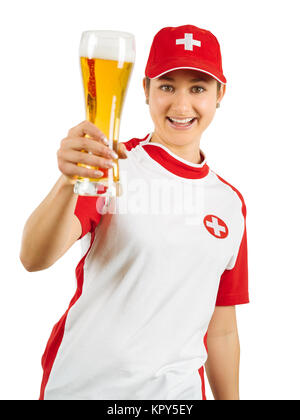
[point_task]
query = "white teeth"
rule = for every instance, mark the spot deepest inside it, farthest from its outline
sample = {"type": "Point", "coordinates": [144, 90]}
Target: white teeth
{"type": "Point", "coordinates": [182, 121]}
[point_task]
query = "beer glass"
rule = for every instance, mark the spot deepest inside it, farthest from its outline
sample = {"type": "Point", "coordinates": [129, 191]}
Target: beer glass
{"type": "Point", "coordinates": [106, 60]}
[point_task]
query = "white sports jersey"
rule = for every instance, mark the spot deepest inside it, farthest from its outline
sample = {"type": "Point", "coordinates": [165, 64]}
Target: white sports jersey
{"type": "Point", "coordinates": [155, 262]}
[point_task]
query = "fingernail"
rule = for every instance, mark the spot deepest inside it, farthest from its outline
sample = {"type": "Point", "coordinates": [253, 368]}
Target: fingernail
{"type": "Point", "coordinates": [114, 154]}
{"type": "Point", "coordinates": [105, 141]}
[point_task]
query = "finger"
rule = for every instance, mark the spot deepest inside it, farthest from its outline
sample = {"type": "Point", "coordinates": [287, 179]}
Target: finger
{"type": "Point", "coordinates": [73, 171]}
{"type": "Point", "coordinates": [89, 145]}
{"type": "Point", "coordinates": [90, 129]}
{"type": "Point", "coordinates": [122, 151]}
{"type": "Point", "coordinates": [75, 157]}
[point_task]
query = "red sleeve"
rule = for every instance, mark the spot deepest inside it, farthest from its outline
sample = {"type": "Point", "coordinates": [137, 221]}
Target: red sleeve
{"type": "Point", "coordinates": [233, 287]}
{"type": "Point", "coordinates": [88, 211]}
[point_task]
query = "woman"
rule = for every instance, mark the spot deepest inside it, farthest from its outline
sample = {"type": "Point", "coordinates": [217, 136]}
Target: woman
{"type": "Point", "coordinates": [160, 274]}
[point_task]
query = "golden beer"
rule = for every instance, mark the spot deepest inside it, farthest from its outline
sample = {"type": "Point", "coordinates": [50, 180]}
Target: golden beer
{"type": "Point", "coordinates": [106, 61]}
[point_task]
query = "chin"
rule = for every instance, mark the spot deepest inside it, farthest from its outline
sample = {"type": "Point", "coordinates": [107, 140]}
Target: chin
{"type": "Point", "coordinates": [182, 139]}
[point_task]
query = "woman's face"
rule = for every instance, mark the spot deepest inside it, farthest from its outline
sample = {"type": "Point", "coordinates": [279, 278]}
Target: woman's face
{"type": "Point", "coordinates": [182, 94]}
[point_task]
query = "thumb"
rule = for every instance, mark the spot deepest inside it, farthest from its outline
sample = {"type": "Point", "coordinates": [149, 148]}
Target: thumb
{"type": "Point", "coordinates": [122, 151]}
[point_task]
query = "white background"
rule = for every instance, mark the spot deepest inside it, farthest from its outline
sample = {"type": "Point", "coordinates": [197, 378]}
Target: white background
{"type": "Point", "coordinates": [253, 143]}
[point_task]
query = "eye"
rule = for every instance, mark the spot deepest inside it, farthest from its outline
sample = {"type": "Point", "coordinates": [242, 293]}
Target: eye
{"type": "Point", "coordinates": [166, 88]}
{"type": "Point", "coordinates": [198, 89]}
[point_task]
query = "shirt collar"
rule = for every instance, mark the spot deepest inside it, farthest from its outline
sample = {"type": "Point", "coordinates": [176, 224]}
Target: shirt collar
{"type": "Point", "coordinates": [174, 163]}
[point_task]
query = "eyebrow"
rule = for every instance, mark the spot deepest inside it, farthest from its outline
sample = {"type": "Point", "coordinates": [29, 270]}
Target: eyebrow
{"type": "Point", "coordinates": [170, 79]}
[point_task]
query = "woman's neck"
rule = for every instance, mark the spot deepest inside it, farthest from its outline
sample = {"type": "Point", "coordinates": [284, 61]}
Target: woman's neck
{"type": "Point", "coordinates": [189, 152]}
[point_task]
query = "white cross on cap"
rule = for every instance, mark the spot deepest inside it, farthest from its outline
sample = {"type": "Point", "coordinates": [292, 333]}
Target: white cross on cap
{"type": "Point", "coordinates": [215, 226]}
{"type": "Point", "coordinates": [188, 42]}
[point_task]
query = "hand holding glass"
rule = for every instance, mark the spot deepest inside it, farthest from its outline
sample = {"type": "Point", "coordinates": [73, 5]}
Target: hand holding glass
{"type": "Point", "coordinates": [106, 59]}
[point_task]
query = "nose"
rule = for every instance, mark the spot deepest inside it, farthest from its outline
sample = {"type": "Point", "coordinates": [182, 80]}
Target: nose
{"type": "Point", "coordinates": [181, 104]}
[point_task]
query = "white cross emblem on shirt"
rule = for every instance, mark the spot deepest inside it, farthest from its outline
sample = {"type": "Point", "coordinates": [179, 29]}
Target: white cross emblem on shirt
{"type": "Point", "coordinates": [188, 42]}
{"type": "Point", "coordinates": [215, 226]}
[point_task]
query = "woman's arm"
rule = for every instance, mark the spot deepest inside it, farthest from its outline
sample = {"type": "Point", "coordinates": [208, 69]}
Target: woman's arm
{"type": "Point", "coordinates": [51, 229]}
{"type": "Point", "coordinates": [222, 365]}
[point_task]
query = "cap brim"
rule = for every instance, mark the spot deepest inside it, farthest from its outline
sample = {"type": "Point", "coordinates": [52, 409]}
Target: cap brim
{"type": "Point", "coordinates": [202, 68]}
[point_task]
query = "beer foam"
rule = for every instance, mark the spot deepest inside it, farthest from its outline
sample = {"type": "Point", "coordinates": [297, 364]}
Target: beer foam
{"type": "Point", "coordinates": [108, 45]}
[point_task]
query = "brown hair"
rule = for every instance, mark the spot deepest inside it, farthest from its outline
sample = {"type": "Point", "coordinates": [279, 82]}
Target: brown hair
{"type": "Point", "coordinates": [148, 85]}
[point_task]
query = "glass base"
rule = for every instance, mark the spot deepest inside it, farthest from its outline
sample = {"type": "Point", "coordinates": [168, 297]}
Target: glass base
{"type": "Point", "coordinates": [94, 189]}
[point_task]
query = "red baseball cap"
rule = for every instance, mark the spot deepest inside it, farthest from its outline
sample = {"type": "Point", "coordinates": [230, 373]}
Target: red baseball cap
{"type": "Point", "coordinates": [185, 47]}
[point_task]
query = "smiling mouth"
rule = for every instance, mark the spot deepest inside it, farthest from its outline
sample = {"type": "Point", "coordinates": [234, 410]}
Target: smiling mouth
{"type": "Point", "coordinates": [181, 122]}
